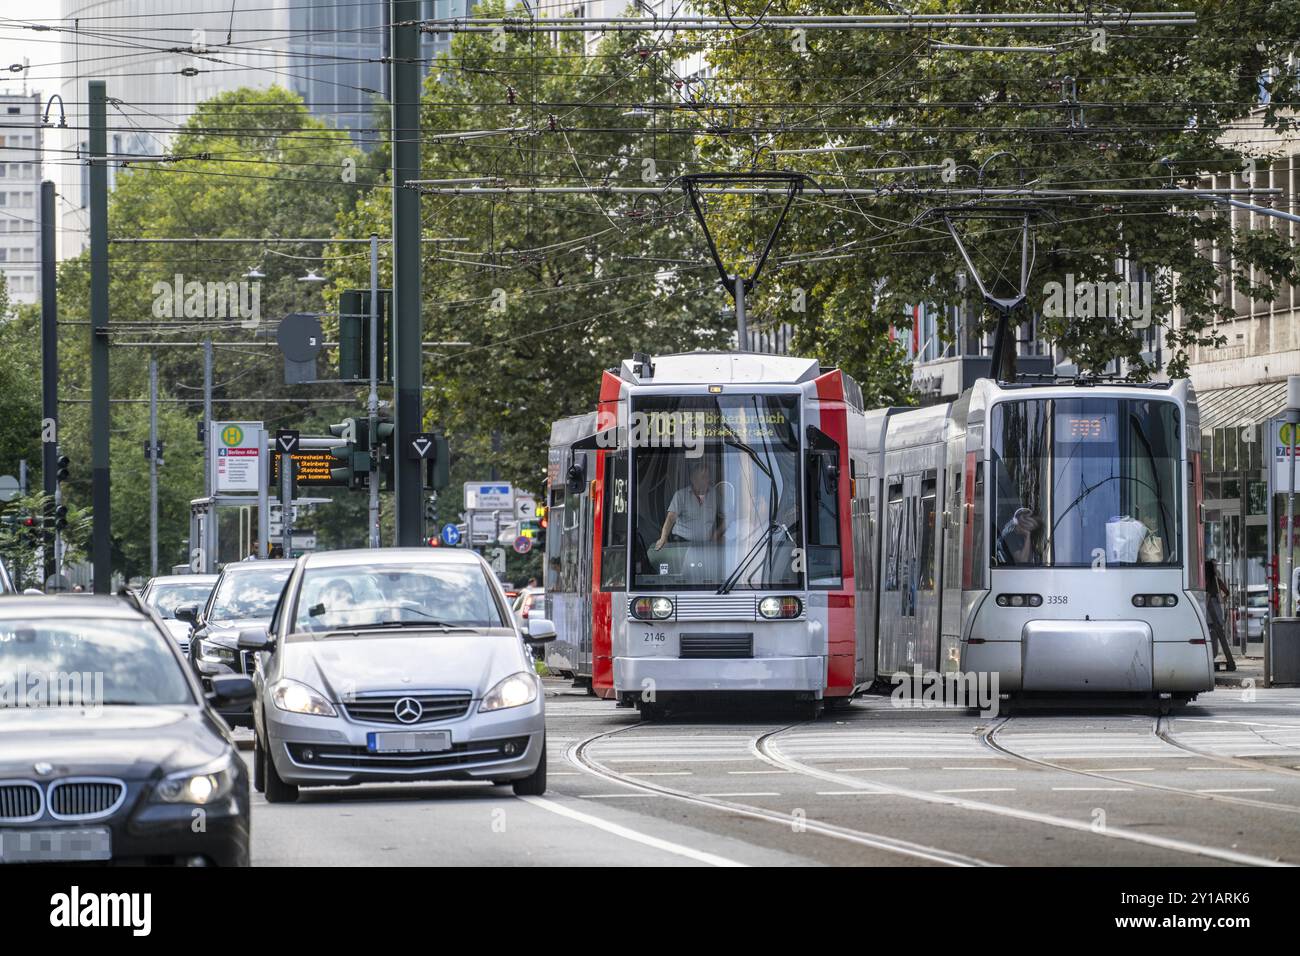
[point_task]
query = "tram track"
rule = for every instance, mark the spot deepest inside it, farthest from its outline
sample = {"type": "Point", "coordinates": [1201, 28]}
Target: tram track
{"type": "Point", "coordinates": [989, 738]}
{"type": "Point", "coordinates": [766, 748]}
{"type": "Point", "coordinates": [1162, 730]}
{"type": "Point", "coordinates": [579, 755]}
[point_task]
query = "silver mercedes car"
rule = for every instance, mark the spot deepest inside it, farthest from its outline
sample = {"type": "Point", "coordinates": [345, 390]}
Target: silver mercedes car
{"type": "Point", "coordinates": [395, 664]}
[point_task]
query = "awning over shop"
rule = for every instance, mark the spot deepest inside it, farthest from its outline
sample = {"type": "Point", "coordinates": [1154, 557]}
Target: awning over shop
{"type": "Point", "coordinates": [1244, 405]}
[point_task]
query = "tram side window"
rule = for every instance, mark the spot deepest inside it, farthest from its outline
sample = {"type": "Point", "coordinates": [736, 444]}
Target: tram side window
{"type": "Point", "coordinates": [613, 554]}
{"type": "Point", "coordinates": [925, 576]}
{"type": "Point", "coordinates": [555, 544]}
{"type": "Point", "coordinates": [824, 520]}
{"type": "Point", "coordinates": [977, 529]}
{"type": "Point", "coordinates": [893, 536]}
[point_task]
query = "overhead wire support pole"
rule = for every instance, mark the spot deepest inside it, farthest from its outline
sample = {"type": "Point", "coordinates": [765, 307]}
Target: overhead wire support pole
{"type": "Point", "coordinates": [101, 548]}
{"type": "Point", "coordinates": [407, 73]}
{"type": "Point", "coordinates": [49, 376]}
{"type": "Point", "coordinates": [372, 400]}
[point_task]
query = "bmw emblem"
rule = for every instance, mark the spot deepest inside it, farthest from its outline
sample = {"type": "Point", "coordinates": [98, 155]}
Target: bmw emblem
{"type": "Point", "coordinates": [42, 768]}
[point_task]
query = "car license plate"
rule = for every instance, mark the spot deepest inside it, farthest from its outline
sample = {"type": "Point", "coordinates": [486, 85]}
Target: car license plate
{"type": "Point", "coordinates": [408, 742]}
{"type": "Point", "coordinates": [51, 846]}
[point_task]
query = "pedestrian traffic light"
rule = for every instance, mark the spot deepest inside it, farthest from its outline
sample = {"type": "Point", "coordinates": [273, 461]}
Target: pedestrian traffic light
{"type": "Point", "coordinates": [62, 473]}
{"type": "Point", "coordinates": [437, 466]}
{"type": "Point", "coordinates": [384, 449]}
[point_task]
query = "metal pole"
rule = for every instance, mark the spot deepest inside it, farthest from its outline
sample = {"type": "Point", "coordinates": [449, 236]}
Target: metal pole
{"type": "Point", "coordinates": [742, 333]}
{"type": "Point", "coordinates": [264, 497]}
{"type": "Point", "coordinates": [209, 465]}
{"type": "Point", "coordinates": [407, 418]}
{"type": "Point", "coordinates": [1290, 519]}
{"type": "Point", "coordinates": [49, 375]}
{"type": "Point", "coordinates": [286, 505]}
{"type": "Point", "coordinates": [153, 465]}
{"type": "Point", "coordinates": [101, 549]}
{"type": "Point", "coordinates": [372, 401]}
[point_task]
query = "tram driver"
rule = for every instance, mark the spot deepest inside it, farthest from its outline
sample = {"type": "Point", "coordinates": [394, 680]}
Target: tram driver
{"type": "Point", "coordinates": [696, 517]}
{"type": "Point", "coordinates": [1016, 540]}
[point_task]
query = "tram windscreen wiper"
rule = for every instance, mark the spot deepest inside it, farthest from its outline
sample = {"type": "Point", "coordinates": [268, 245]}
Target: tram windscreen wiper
{"type": "Point", "coordinates": [731, 579]}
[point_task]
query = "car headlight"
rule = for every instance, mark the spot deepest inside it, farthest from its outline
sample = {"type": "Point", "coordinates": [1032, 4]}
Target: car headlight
{"type": "Point", "coordinates": [213, 653]}
{"type": "Point", "coordinates": [296, 698]}
{"type": "Point", "coordinates": [515, 691]}
{"type": "Point", "coordinates": [200, 786]}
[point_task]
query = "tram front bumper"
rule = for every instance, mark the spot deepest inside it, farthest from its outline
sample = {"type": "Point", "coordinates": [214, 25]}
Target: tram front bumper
{"type": "Point", "coordinates": [668, 674]}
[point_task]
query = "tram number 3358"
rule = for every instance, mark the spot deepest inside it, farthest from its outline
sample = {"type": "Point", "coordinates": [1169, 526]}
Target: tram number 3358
{"type": "Point", "coordinates": [1058, 599]}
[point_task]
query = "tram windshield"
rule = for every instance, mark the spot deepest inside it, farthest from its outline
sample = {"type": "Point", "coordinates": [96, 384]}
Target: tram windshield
{"type": "Point", "coordinates": [716, 492]}
{"type": "Point", "coordinates": [1086, 482]}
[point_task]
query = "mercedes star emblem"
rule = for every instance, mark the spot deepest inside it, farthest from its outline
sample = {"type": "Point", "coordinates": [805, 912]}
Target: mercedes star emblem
{"type": "Point", "coordinates": [408, 710]}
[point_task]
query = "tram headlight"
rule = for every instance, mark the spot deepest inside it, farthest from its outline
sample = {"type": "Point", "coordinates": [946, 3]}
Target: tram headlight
{"type": "Point", "coordinates": [1020, 600]}
{"type": "Point", "coordinates": [780, 608]}
{"type": "Point", "coordinates": [1155, 600]}
{"type": "Point", "coordinates": [652, 609]}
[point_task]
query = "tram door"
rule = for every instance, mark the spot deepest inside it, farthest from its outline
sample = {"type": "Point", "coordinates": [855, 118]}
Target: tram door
{"type": "Point", "coordinates": [925, 572]}
{"type": "Point", "coordinates": [583, 583]}
{"type": "Point", "coordinates": [898, 634]}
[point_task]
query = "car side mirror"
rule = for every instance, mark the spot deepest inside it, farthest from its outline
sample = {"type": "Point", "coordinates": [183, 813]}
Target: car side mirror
{"type": "Point", "coordinates": [539, 631]}
{"type": "Point", "coordinates": [228, 689]}
{"type": "Point", "coordinates": [255, 639]}
{"type": "Point", "coordinates": [187, 612]}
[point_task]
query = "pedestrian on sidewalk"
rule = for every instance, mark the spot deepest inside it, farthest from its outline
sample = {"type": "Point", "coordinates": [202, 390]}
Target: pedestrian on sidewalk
{"type": "Point", "coordinates": [1215, 591]}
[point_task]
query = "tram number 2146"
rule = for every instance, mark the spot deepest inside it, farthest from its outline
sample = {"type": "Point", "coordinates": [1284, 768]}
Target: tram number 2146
{"type": "Point", "coordinates": [654, 637]}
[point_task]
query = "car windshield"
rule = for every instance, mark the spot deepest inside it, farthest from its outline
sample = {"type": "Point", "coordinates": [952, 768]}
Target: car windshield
{"type": "Point", "coordinates": [79, 662]}
{"type": "Point", "coordinates": [1086, 482]}
{"type": "Point", "coordinates": [166, 598]}
{"type": "Point", "coordinates": [352, 596]}
{"type": "Point", "coordinates": [246, 594]}
{"type": "Point", "coordinates": [1257, 599]}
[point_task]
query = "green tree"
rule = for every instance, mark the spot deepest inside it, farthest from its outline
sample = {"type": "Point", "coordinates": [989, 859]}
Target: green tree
{"type": "Point", "coordinates": [248, 163]}
{"type": "Point", "coordinates": [1133, 108]}
{"type": "Point", "coordinates": [20, 543]}
{"type": "Point", "coordinates": [544, 292]}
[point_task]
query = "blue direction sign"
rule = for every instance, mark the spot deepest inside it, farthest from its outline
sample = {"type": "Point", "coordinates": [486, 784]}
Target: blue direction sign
{"type": "Point", "coordinates": [450, 535]}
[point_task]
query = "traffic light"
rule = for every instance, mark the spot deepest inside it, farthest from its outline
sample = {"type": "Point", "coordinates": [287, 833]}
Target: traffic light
{"type": "Point", "coordinates": [62, 464]}
{"type": "Point", "coordinates": [354, 456]}
{"type": "Point", "coordinates": [33, 530]}
{"type": "Point", "coordinates": [61, 518]}
{"type": "Point", "coordinates": [354, 335]}
{"type": "Point", "coordinates": [384, 449]}
{"type": "Point", "coordinates": [437, 467]}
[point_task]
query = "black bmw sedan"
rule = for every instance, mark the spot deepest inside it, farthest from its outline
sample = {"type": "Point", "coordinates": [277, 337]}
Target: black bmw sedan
{"type": "Point", "coordinates": [109, 750]}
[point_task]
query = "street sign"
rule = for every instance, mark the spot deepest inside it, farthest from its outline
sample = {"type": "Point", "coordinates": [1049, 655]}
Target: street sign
{"type": "Point", "coordinates": [286, 441]}
{"type": "Point", "coordinates": [420, 445]}
{"type": "Point", "coordinates": [304, 540]}
{"type": "Point", "coordinates": [523, 544]}
{"type": "Point", "coordinates": [239, 448]}
{"type": "Point", "coordinates": [489, 496]}
{"type": "Point", "coordinates": [9, 488]}
{"type": "Point", "coordinates": [450, 535]}
{"type": "Point", "coordinates": [497, 558]}
{"type": "Point", "coordinates": [525, 508]}
{"type": "Point", "coordinates": [483, 528]}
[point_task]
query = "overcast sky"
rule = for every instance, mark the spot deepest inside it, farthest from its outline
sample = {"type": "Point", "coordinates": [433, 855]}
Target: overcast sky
{"type": "Point", "coordinates": [42, 49]}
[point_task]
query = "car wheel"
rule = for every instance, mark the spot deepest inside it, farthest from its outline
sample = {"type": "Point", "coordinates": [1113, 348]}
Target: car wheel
{"type": "Point", "coordinates": [277, 791]}
{"type": "Point", "coordinates": [259, 765]}
{"type": "Point", "coordinates": [533, 785]}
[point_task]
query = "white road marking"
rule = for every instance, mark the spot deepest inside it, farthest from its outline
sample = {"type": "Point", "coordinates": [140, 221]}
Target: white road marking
{"type": "Point", "coordinates": [980, 790]}
{"type": "Point", "coordinates": [1239, 790]}
{"type": "Point", "coordinates": [662, 773]}
{"type": "Point", "coordinates": [628, 834]}
{"type": "Point", "coordinates": [748, 793]}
